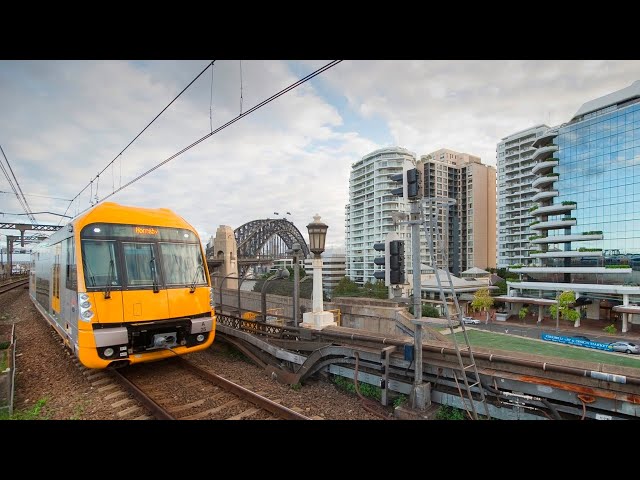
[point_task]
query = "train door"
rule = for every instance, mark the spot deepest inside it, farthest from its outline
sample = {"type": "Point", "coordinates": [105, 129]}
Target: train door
{"type": "Point", "coordinates": [55, 297]}
{"type": "Point", "coordinates": [145, 297]}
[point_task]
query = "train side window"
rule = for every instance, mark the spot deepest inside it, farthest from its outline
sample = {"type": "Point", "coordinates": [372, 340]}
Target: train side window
{"type": "Point", "coordinates": [71, 276]}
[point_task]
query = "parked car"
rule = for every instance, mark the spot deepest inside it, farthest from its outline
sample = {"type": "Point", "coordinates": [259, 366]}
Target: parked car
{"type": "Point", "coordinates": [581, 337]}
{"type": "Point", "coordinates": [470, 321]}
{"type": "Point", "coordinates": [626, 347]}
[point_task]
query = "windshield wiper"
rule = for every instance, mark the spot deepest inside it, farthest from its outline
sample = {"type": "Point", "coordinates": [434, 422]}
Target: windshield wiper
{"type": "Point", "coordinates": [110, 275]}
{"type": "Point", "coordinates": [195, 277]}
{"type": "Point", "coordinates": [88, 272]}
{"type": "Point", "coordinates": [154, 274]}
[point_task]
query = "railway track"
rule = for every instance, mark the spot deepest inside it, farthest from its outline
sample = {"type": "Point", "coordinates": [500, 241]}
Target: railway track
{"type": "Point", "coordinates": [176, 389]}
{"type": "Point", "coordinates": [8, 286]}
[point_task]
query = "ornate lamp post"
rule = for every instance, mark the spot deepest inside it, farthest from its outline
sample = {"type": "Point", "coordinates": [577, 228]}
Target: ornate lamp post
{"type": "Point", "coordinates": [318, 319]}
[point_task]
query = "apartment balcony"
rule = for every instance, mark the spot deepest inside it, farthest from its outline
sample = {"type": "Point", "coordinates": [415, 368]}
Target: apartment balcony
{"type": "Point", "coordinates": [553, 209]}
{"type": "Point", "coordinates": [538, 182]}
{"type": "Point", "coordinates": [562, 254]}
{"type": "Point", "coordinates": [553, 225]}
{"type": "Point", "coordinates": [544, 195]}
{"type": "Point", "coordinates": [601, 270]}
{"type": "Point", "coordinates": [567, 238]}
{"type": "Point", "coordinates": [544, 167]}
{"type": "Point", "coordinates": [545, 138]}
{"type": "Point", "coordinates": [544, 152]}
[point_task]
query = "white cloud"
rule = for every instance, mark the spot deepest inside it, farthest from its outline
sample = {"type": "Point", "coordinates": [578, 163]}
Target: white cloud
{"type": "Point", "coordinates": [63, 122]}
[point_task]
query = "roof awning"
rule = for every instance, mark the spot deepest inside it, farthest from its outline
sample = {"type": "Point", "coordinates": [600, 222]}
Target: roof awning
{"type": "Point", "coordinates": [532, 301]}
{"type": "Point", "coordinates": [627, 309]}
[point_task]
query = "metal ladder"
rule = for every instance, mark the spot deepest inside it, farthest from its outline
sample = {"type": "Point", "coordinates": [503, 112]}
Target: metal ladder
{"type": "Point", "coordinates": [430, 225]}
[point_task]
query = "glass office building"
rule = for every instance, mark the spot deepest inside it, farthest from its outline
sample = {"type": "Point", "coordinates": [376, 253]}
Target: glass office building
{"type": "Point", "coordinates": [585, 235]}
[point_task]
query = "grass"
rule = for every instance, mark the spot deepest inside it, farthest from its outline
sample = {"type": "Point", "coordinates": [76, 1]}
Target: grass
{"type": "Point", "coordinates": [400, 400]}
{"type": "Point", "coordinates": [519, 344]}
{"type": "Point", "coordinates": [366, 390]}
{"type": "Point", "coordinates": [3, 360]}
{"type": "Point", "coordinates": [446, 412]}
{"type": "Point", "coordinates": [33, 413]}
{"type": "Point", "coordinates": [79, 410]}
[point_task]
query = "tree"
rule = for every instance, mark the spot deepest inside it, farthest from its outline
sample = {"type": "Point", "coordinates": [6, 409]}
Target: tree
{"type": "Point", "coordinates": [301, 272]}
{"type": "Point", "coordinates": [502, 287]}
{"type": "Point", "coordinates": [482, 300]}
{"type": "Point", "coordinates": [523, 312]}
{"type": "Point", "coordinates": [566, 301]}
{"type": "Point", "coordinates": [427, 311]}
{"type": "Point", "coordinates": [346, 288]}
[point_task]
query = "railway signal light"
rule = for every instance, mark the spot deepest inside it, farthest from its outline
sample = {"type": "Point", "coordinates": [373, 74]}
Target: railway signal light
{"type": "Point", "coordinates": [401, 190]}
{"type": "Point", "coordinates": [410, 183]}
{"type": "Point", "coordinates": [396, 262]}
{"type": "Point", "coordinates": [384, 261]}
{"type": "Point", "coordinates": [413, 184]}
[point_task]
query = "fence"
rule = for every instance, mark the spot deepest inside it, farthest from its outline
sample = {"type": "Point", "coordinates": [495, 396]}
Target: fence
{"type": "Point", "coordinates": [8, 374]}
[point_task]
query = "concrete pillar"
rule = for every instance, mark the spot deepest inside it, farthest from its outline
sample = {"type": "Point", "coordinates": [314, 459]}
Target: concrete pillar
{"type": "Point", "coordinates": [226, 247]}
{"type": "Point", "coordinates": [625, 302]}
{"type": "Point", "coordinates": [540, 311]}
{"type": "Point", "coordinates": [318, 319]}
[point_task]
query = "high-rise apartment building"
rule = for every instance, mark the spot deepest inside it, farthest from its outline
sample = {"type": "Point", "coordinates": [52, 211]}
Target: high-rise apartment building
{"type": "Point", "coordinates": [368, 215]}
{"type": "Point", "coordinates": [333, 270]}
{"type": "Point", "coordinates": [470, 226]}
{"type": "Point", "coordinates": [514, 160]}
{"type": "Point", "coordinates": [469, 234]}
{"type": "Point", "coordinates": [585, 230]}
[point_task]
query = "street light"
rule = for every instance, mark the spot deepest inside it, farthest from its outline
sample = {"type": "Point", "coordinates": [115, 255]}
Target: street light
{"type": "Point", "coordinates": [296, 250]}
{"type": "Point", "coordinates": [317, 236]}
{"type": "Point", "coordinates": [557, 313]}
{"type": "Point", "coordinates": [317, 319]}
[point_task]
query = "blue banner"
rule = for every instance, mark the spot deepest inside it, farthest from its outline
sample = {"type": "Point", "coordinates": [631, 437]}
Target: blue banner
{"type": "Point", "coordinates": [575, 341]}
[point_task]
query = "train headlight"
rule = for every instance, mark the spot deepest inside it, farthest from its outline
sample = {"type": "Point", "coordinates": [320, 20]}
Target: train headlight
{"type": "Point", "coordinates": [85, 307]}
{"type": "Point", "coordinates": [108, 352]}
{"type": "Point", "coordinates": [200, 338]}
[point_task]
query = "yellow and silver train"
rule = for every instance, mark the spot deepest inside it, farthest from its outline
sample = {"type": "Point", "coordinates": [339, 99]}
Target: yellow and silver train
{"type": "Point", "coordinates": [124, 285]}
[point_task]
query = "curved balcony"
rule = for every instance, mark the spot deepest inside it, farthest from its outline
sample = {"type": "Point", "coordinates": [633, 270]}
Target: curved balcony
{"type": "Point", "coordinates": [544, 152]}
{"type": "Point", "coordinates": [545, 138]}
{"type": "Point", "coordinates": [543, 181]}
{"type": "Point", "coordinates": [571, 253]}
{"type": "Point", "coordinates": [553, 225]}
{"type": "Point", "coordinates": [567, 238]}
{"type": "Point", "coordinates": [553, 209]}
{"type": "Point", "coordinates": [544, 167]}
{"type": "Point", "coordinates": [546, 194]}
{"type": "Point", "coordinates": [570, 270]}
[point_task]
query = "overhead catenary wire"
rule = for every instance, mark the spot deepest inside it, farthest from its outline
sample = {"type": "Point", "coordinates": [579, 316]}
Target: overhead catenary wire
{"type": "Point", "coordinates": [230, 122]}
{"type": "Point", "coordinates": [43, 196]}
{"type": "Point", "coordinates": [20, 196]}
{"type": "Point", "coordinates": [210, 64]}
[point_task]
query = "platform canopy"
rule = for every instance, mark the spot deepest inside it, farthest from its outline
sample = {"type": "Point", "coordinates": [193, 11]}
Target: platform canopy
{"type": "Point", "coordinates": [475, 272]}
{"type": "Point", "coordinates": [627, 309]}
{"type": "Point", "coordinates": [531, 300]}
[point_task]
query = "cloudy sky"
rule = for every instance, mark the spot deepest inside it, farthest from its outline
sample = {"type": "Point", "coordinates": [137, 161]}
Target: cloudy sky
{"type": "Point", "coordinates": [62, 122]}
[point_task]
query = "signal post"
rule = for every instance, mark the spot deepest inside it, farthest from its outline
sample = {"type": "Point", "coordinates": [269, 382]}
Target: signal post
{"type": "Point", "coordinates": [410, 190]}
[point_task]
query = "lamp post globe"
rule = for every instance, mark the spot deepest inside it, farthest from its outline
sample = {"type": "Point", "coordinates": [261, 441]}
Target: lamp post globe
{"type": "Point", "coordinates": [317, 235]}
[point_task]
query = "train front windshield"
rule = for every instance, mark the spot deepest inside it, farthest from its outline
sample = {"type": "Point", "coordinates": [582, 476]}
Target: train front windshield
{"type": "Point", "coordinates": [134, 256]}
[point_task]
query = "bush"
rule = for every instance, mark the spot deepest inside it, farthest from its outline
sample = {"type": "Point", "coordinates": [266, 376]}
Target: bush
{"type": "Point", "coordinates": [610, 329]}
{"type": "Point", "coordinates": [445, 412]}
